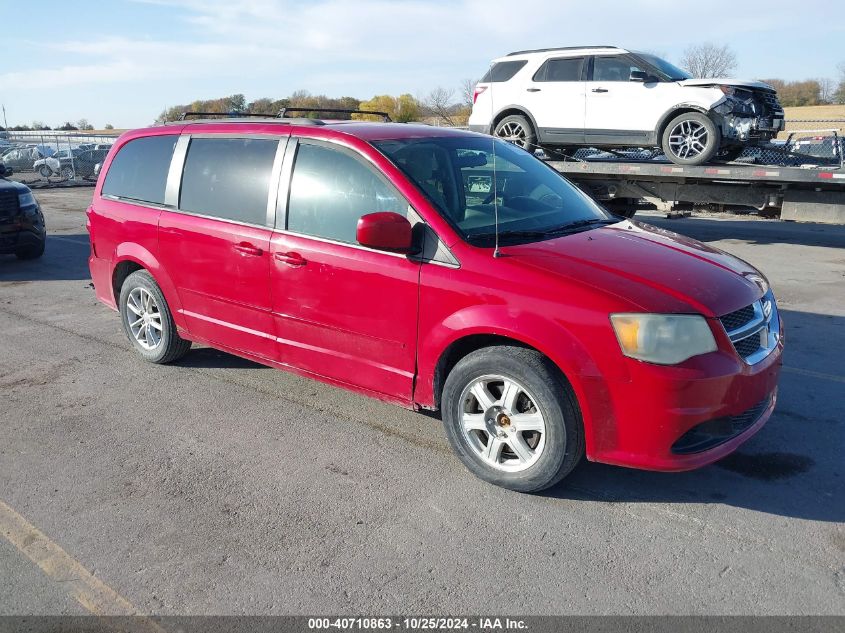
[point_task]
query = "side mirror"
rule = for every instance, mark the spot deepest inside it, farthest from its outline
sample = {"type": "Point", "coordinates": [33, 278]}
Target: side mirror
{"type": "Point", "coordinates": [5, 171]}
{"type": "Point", "coordinates": [385, 231]}
{"type": "Point", "coordinates": [640, 75]}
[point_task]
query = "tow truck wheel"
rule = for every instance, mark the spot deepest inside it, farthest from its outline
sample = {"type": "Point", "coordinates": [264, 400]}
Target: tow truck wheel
{"type": "Point", "coordinates": [691, 139]}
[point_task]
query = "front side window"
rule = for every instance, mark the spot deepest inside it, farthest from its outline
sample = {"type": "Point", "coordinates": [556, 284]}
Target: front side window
{"type": "Point", "coordinates": [331, 189]}
{"type": "Point", "coordinates": [228, 178]}
{"type": "Point", "coordinates": [139, 171]}
{"type": "Point", "coordinates": [613, 68]}
{"type": "Point", "coordinates": [470, 184]}
{"type": "Point", "coordinates": [563, 69]}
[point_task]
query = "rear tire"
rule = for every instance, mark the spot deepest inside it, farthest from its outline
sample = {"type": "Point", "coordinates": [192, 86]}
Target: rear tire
{"type": "Point", "coordinates": [32, 252]}
{"type": "Point", "coordinates": [148, 322]}
{"type": "Point", "coordinates": [518, 130]}
{"type": "Point", "coordinates": [524, 429]}
{"type": "Point", "coordinates": [691, 139]}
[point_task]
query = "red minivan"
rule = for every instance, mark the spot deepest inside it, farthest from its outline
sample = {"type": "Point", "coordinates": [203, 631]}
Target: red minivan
{"type": "Point", "coordinates": [437, 269]}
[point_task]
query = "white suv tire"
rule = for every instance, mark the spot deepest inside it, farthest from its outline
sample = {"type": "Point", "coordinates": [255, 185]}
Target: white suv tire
{"type": "Point", "coordinates": [691, 138]}
{"type": "Point", "coordinates": [518, 130]}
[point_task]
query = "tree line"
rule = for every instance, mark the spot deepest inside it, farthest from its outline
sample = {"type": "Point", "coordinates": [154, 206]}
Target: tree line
{"type": "Point", "coordinates": [710, 60]}
{"type": "Point", "coordinates": [67, 126]}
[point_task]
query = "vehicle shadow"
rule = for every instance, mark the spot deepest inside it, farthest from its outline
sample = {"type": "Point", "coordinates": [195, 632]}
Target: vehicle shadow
{"type": "Point", "coordinates": [793, 466]}
{"type": "Point", "coordinates": [753, 231]}
{"type": "Point", "coordinates": [210, 358]}
{"type": "Point", "coordinates": [65, 259]}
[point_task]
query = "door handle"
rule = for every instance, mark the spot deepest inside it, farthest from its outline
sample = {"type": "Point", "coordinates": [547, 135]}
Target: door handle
{"type": "Point", "coordinates": [245, 248]}
{"type": "Point", "coordinates": [291, 259]}
{"type": "Point", "coordinates": [600, 90]}
{"type": "Point", "coordinates": [532, 90]}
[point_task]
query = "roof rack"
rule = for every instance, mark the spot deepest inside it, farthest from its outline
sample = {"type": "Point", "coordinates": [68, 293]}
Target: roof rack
{"type": "Point", "coordinates": [229, 115]}
{"type": "Point", "coordinates": [561, 48]}
{"type": "Point", "coordinates": [383, 115]}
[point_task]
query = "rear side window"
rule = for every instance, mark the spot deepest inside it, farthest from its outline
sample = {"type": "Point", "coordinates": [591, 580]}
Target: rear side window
{"type": "Point", "coordinates": [139, 171]}
{"type": "Point", "coordinates": [228, 178]}
{"type": "Point", "coordinates": [562, 69]}
{"type": "Point", "coordinates": [331, 190]}
{"type": "Point", "coordinates": [502, 71]}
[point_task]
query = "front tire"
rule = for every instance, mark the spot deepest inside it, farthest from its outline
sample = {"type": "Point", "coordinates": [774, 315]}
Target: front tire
{"type": "Point", "coordinates": [691, 139]}
{"type": "Point", "coordinates": [32, 252]}
{"type": "Point", "coordinates": [148, 322]}
{"type": "Point", "coordinates": [518, 130]}
{"type": "Point", "coordinates": [512, 418]}
{"type": "Point", "coordinates": [45, 171]}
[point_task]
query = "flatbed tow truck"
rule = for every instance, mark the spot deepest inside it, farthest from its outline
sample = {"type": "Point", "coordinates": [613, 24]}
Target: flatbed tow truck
{"type": "Point", "coordinates": [785, 187]}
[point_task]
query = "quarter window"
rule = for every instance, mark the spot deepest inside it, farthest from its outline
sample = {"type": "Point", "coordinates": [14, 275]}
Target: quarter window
{"type": "Point", "coordinates": [502, 71]}
{"type": "Point", "coordinates": [139, 171]}
{"type": "Point", "coordinates": [330, 190]}
{"type": "Point", "coordinates": [228, 178]}
{"type": "Point", "coordinates": [562, 69]}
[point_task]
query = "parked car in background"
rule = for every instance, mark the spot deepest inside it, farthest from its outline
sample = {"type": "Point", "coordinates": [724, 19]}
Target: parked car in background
{"type": "Point", "coordinates": [22, 228]}
{"type": "Point", "coordinates": [437, 269]}
{"type": "Point", "coordinates": [69, 164]}
{"type": "Point", "coordinates": [23, 158]}
{"type": "Point", "coordinates": [608, 97]}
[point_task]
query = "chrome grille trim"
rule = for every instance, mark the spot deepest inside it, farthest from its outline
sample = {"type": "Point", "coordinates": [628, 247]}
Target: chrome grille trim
{"type": "Point", "coordinates": [764, 325]}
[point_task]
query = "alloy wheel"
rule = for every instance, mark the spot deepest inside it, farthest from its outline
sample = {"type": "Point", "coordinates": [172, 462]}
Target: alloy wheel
{"type": "Point", "coordinates": [144, 318]}
{"type": "Point", "coordinates": [513, 132]}
{"type": "Point", "coordinates": [688, 139]}
{"type": "Point", "coordinates": [502, 423]}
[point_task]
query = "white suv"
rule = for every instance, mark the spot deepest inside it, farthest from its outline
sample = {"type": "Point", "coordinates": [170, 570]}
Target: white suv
{"type": "Point", "coordinates": [602, 96]}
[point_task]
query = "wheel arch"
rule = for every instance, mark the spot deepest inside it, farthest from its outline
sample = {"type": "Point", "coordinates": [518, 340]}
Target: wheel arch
{"type": "Point", "coordinates": [671, 113]}
{"type": "Point", "coordinates": [513, 109]}
{"type": "Point", "coordinates": [131, 257]}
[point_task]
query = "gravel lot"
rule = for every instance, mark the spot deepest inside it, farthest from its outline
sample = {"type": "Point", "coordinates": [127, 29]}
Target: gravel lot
{"type": "Point", "coordinates": [220, 486]}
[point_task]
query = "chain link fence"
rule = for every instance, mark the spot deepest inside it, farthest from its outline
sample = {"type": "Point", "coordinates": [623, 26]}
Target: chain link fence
{"type": "Point", "coordinates": [47, 159]}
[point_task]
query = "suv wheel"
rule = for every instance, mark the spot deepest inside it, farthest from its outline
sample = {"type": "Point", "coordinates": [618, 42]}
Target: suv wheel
{"type": "Point", "coordinates": [45, 171]}
{"type": "Point", "coordinates": [512, 419]}
{"type": "Point", "coordinates": [147, 320]}
{"type": "Point", "coordinates": [67, 173]}
{"type": "Point", "coordinates": [691, 139]}
{"type": "Point", "coordinates": [518, 130]}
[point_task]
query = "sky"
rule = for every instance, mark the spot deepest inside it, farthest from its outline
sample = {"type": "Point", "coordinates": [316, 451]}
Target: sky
{"type": "Point", "coordinates": [124, 61]}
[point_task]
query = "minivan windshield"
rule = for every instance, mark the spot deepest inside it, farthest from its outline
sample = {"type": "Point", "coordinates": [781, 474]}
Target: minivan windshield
{"type": "Point", "coordinates": [667, 71]}
{"type": "Point", "coordinates": [468, 183]}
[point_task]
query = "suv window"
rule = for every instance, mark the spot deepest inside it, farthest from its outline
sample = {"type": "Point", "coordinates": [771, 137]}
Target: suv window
{"type": "Point", "coordinates": [502, 71]}
{"type": "Point", "coordinates": [613, 68]}
{"type": "Point", "coordinates": [561, 69]}
{"type": "Point", "coordinates": [228, 178]}
{"type": "Point", "coordinates": [139, 171]}
{"type": "Point", "coordinates": [331, 190]}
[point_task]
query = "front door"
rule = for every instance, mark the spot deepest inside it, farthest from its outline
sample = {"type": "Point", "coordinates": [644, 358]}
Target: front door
{"type": "Point", "coordinates": [621, 110]}
{"type": "Point", "coordinates": [216, 247]}
{"type": "Point", "coordinates": [342, 311]}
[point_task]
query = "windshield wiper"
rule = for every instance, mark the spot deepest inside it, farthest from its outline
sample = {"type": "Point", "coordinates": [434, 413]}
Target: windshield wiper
{"type": "Point", "coordinates": [564, 229]}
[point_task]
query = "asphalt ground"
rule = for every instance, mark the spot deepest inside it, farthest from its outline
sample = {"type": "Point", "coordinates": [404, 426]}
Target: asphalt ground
{"type": "Point", "coordinates": [218, 486]}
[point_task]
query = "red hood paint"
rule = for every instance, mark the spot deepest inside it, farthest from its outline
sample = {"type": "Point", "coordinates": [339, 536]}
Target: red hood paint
{"type": "Point", "coordinates": [654, 269]}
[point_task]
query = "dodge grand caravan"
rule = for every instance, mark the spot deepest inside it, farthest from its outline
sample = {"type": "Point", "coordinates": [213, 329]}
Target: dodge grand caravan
{"type": "Point", "coordinates": [437, 269]}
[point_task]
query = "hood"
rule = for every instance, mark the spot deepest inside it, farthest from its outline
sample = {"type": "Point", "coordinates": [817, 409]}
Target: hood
{"type": "Point", "coordinates": [653, 269]}
{"type": "Point", "coordinates": [727, 81]}
{"type": "Point", "coordinates": [12, 184]}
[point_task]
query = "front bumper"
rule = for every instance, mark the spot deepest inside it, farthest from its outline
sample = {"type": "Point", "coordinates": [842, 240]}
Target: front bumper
{"type": "Point", "coordinates": [684, 417]}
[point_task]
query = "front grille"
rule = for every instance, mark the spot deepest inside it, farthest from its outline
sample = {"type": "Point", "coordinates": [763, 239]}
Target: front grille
{"type": "Point", "coordinates": [747, 346]}
{"type": "Point", "coordinates": [8, 203]}
{"type": "Point", "coordinates": [754, 330]}
{"type": "Point", "coordinates": [770, 99]}
{"type": "Point", "coordinates": [737, 319]}
{"type": "Point", "coordinates": [710, 434]}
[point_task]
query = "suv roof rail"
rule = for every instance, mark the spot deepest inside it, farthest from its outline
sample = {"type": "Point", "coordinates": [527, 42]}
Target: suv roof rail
{"type": "Point", "coordinates": [560, 48]}
{"type": "Point", "coordinates": [229, 115]}
{"type": "Point", "coordinates": [383, 115]}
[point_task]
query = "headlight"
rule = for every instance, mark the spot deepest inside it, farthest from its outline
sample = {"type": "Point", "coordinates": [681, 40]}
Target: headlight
{"type": "Point", "coordinates": [26, 200]}
{"type": "Point", "coordinates": [664, 339]}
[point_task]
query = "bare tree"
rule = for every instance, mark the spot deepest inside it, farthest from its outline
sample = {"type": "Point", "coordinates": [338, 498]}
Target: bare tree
{"type": "Point", "coordinates": [827, 89]}
{"type": "Point", "coordinates": [439, 103]}
{"type": "Point", "coordinates": [709, 60]}
{"type": "Point", "coordinates": [467, 91]}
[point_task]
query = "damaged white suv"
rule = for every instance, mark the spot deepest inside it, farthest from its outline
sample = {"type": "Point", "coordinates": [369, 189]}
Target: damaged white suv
{"type": "Point", "coordinates": [602, 96]}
